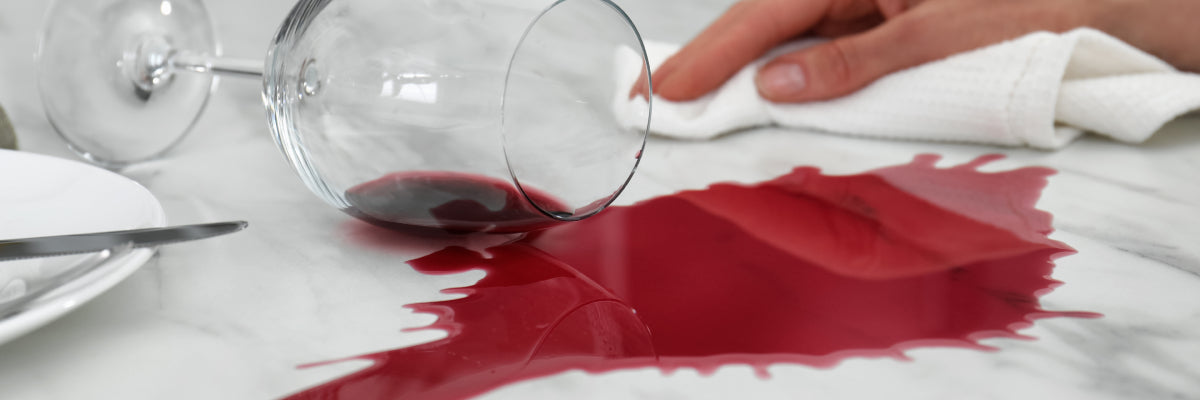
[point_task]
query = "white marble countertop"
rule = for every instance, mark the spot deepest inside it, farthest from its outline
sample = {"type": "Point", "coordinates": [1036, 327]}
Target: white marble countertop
{"type": "Point", "coordinates": [233, 317]}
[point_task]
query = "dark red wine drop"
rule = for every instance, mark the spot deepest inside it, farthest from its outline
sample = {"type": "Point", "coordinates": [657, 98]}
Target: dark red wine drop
{"type": "Point", "coordinates": [451, 201]}
{"type": "Point", "coordinates": [806, 268]}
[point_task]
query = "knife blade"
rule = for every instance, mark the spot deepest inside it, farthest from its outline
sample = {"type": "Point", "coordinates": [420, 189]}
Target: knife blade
{"type": "Point", "coordinates": [47, 246]}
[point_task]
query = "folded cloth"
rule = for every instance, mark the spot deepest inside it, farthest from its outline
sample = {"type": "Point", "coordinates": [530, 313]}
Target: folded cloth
{"type": "Point", "coordinates": [1041, 90]}
{"type": "Point", "coordinates": [8, 137]}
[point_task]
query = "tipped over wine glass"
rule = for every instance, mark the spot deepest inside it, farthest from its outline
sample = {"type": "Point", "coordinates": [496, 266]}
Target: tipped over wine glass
{"type": "Point", "coordinates": [463, 115]}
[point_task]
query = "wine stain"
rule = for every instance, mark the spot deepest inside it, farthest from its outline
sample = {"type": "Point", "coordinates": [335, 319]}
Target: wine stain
{"type": "Point", "coordinates": [807, 269]}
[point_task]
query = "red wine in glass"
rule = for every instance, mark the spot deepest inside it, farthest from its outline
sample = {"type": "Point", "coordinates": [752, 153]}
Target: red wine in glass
{"type": "Point", "coordinates": [452, 201]}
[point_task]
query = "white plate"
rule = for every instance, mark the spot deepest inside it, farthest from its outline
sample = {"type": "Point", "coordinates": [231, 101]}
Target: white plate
{"type": "Point", "coordinates": [41, 196]}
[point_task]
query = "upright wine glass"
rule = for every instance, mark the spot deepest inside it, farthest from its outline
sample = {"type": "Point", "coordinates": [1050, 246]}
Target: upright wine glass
{"type": "Point", "coordinates": [465, 115]}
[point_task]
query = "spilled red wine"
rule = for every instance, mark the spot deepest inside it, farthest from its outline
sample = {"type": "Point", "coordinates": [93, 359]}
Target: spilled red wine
{"type": "Point", "coordinates": [805, 268]}
{"type": "Point", "coordinates": [451, 201]}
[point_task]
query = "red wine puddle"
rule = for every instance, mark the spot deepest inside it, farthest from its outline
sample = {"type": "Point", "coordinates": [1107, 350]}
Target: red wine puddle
{"type": "Point", "coordinates": [805, 268]}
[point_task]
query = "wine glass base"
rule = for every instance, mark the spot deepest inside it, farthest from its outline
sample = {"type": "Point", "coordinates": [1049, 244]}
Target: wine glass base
{"type": "Point", "coordinates": [107, 80]}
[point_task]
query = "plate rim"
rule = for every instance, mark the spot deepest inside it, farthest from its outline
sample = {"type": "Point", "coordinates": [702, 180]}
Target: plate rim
{"type": "Point", "coordinates": [101, 279]}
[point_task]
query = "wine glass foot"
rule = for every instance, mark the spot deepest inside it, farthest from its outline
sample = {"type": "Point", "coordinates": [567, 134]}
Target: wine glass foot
{"type": "Point", "coordinates": [109, 80]}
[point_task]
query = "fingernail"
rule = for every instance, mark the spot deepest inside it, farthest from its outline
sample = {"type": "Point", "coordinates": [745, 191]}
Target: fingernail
{"type": "Point", "coordinates": [781, 81]}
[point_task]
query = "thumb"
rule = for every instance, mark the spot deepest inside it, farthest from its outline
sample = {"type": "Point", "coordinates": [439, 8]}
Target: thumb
{"type": "Point", "coordinates": [846, 64]}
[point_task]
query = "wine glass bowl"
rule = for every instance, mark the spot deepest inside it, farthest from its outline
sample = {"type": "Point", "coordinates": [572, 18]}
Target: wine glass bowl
{"type": "Point", "coordinates": [424, 117]}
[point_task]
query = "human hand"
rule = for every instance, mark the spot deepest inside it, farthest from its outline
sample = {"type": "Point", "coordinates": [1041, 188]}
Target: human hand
{"type": "Point", "coordinates": [872, 38]}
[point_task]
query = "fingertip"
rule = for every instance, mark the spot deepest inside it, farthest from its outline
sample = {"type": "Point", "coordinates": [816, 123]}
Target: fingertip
{"type": "Point", "coordinates": [639, 87]}
{"type": "Point", "coordinates": [663, 82]}
{"type": "Point", "coordinates": [691, 78]}
{"type": "Point", "coordinates": [663, 72]}
{"type": "Point", "coordinates": [679, 87]}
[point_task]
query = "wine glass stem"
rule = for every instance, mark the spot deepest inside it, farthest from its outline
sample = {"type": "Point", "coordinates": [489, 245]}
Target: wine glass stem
{"type": "Point", "coordinates": [217, 65]}
{"type": "Point", "coordinates": [152, 62]}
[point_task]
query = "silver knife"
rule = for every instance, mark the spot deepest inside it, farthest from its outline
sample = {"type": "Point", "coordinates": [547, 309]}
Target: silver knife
{"type": "Point", "coordinates": [14, 249]}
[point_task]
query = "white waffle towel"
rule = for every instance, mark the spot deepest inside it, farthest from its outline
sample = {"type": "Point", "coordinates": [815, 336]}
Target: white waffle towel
{"type": "Point", "coordinates": [1041, 90]}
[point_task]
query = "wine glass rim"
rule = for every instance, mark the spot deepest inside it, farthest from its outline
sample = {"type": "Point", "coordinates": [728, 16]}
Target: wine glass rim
{"type": "Point", "coordinates": [605, 202]}
{"type": "Point", "coordinates": [279, 118]}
